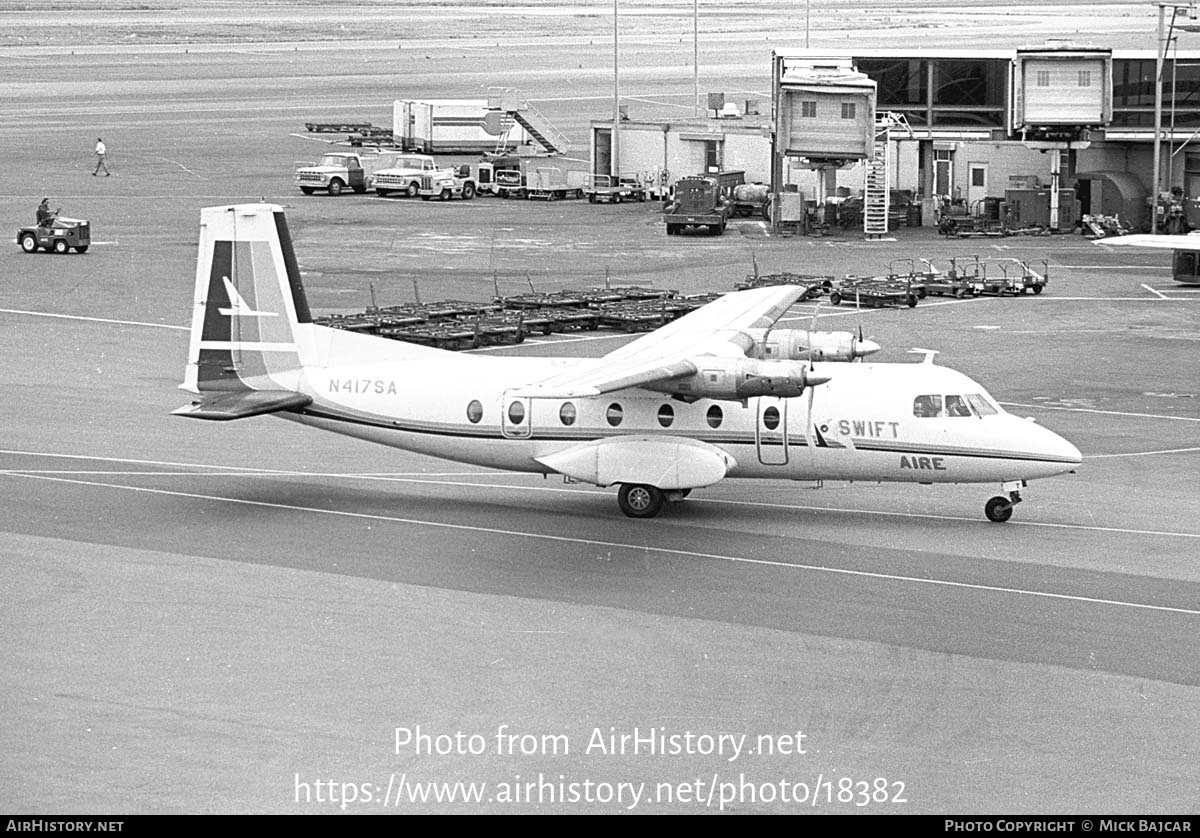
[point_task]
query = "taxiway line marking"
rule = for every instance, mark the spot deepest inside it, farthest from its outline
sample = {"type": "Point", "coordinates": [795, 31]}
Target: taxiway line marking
{"type": "Point", "coordinates": [424, 478]}
{"type": "Point", "coordinates": [1103, 412]}
{"type": "Point", "coordinates": [670, 551]}
{"type": "Point", "coordinates": [1159, 294]}
{"type": "Point", "coordinates": [93, 319]}
{"type": "Point", "coordinates": [1143, 453]}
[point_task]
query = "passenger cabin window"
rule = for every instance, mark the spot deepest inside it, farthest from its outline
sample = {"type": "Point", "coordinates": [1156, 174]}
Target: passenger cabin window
{"type": "Point", "coordinates": [666, 415]}
{"type": "Point", "coordinates": [566, 413]}
{"type": "Point", "coordinates": [474, 412]}
{"type": "Point", "coordinates": [516, 413]}
{"type": "Point", "coordinates": [770, 418]}
{"type": "Point", "coordinates": [925, 407]}
{"type": "Point", "coordinates": [614, 414]}
{"type": "Point", "coordinates": [714, 416]}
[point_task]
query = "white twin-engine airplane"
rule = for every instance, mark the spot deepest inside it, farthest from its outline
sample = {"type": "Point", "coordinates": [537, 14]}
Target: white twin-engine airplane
{"type": "Point", "coordinates": [677, 409]}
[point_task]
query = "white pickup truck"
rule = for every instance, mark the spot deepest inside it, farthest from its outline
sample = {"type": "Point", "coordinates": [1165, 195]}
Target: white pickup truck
{"type": "Point", "coordinates": [403, 175]}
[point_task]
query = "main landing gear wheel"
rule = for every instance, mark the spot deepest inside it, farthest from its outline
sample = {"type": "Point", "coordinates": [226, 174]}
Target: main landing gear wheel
{"type": "Point", "coordinates": [998, 509]}
{"type": "Point", "coordinates": [639, 501]}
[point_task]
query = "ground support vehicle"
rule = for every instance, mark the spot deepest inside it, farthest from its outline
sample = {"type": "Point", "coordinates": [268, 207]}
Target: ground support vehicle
{"type": "Point", "coordinates": [699, 202]}
{"type": "Point", "coordinates": [1000, 277]}
{"type": "Point", "coordinates": [62, 235]}
{"type": "Point", "coordinates": [954, 283]}
{"type": "Point", "coordinates": [447, 184]}
{"type": "Point", "coordinates": [873, 291]}
{"type": "Point", "coordinates": [817, 283]}
{"type": "Point", "coordinates": [752, 199]}
{"type": "Point", "coordinates": [605, 189]}
{"type": "Point", "coordinates": [402, 173]}
{"type": "Point", "coordinates": [334, 173]}
{"type": "Point", "coordinates": [549, 183]}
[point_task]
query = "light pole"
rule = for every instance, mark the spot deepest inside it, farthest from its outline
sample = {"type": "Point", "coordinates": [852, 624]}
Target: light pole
{"type": "Point", "coordinates": [615, 145]}
{"type": "Point", "coordinates": [1165, 34]}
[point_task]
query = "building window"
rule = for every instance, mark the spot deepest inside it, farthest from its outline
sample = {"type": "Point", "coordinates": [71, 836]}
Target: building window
{"type": "Point", "coordinates": [516, 413]}
{"type": "Point", "coordinates": [614, 414]}
{"type": "Point", "coordinates": [714, 416]}
{"type": "Point", "coordinates": [666, 415]}
{"type": "Point", "coordinates": [978, 177]}
{"type": "Point", "coordinates": [1085, 78]}
{"type": "Point", "coordinates": [712, 156]}
{"type": "Point", "coordinates": [771, 418]}
{"type": "Point", "coordinates": [474, 412]}
{"type": "Point", "coordinates": [808, 109]}
{"type": "Point", "coordinates": [566, 413]}
{"type": "Point", "coordinates": [1042, 78]}
{"type": "Point", "coordinates": [848, 110]}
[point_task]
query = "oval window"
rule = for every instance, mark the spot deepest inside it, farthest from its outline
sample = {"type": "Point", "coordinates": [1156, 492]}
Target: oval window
{"type": "Point", "coordinates": [474, 412]}
{"type": "Point", "coordinates": [666, 415]}
{"type": "Point", "coordinates": [614, 414]}
{"type": "Point", "coordinates": [566, 413]}
{"type": "Point", "coordinates": [714, 416]}
{"type": "Point", "coordinates": [516, 413]}
{"type": "Point", "coordinates": [771, 418]}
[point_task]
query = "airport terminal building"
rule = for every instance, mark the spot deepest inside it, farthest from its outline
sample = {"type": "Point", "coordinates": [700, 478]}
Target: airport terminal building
{"type": "Point", "coordinates": [963, 126]}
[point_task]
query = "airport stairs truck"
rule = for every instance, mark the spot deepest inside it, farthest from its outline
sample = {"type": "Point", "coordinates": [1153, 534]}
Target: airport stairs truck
{"type": "Point", "coordinates": [503, 122]}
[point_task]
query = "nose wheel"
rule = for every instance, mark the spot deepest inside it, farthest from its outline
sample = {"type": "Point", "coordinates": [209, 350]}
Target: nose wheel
{"type": "Point", "coordinates": [999, 509]}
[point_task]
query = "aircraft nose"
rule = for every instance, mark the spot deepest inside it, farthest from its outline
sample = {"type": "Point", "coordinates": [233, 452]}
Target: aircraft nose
{"type": "Point", "coordinates": [864, 347]}
{"type": "Point", "coordinates": [1059, 449]}
{"type": "Point", "coordinates": [1069, 452]}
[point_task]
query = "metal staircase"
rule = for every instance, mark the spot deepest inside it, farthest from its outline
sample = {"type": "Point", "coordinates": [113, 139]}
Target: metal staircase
{"type": "Point", "coordinates": [875, 190]}
{"type": "Point", "coordinates": [508, 100]}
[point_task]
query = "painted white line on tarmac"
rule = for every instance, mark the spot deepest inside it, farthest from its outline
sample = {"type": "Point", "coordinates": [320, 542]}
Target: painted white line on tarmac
{"type": "Point", "coordinates": [639, 548]}
{"type": "Point", "coordinates": [1143, 453]}
{"type": "Point", "coordinates": [93, 319]}
{"type": "Point", "coordinates": [463, 480]}
{"type": "Point", "coordinates": [1159, 294]}
{"type": "Point", "coordinates": [1007, 405]}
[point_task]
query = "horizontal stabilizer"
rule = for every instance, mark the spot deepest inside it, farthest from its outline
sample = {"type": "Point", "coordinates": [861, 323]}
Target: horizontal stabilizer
{"type": "Point", "coordinates": [666, 462]}
{"type": "Point", "coordinates": [222, 407]}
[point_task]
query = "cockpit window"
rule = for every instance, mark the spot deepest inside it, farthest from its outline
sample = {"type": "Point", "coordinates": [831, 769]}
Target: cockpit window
{"type": "Point", "coordinates": [927, 406]}
{"type": "Point", "coordinates": [981, 404]}
{"type": "Point", "coordinates": [957, 406]}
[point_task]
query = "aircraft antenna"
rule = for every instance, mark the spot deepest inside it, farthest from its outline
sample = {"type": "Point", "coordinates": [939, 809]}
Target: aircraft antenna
{"type": "Point", "coordinates": [374, 305]}
{"type": "Point", "coordinates": [416, 291]}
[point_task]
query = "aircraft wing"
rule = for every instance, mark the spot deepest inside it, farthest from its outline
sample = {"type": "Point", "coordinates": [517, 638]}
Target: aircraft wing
{"type": "Point", "coordinates": [672, 351]}
{"type": "Point", "coordinates": [1188, 242]}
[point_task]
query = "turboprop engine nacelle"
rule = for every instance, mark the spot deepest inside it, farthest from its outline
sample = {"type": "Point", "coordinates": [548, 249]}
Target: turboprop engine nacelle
{"type": "Point", "coordinates": [803, 345]}
{"type": "Point", "coordinates": [743, 378]}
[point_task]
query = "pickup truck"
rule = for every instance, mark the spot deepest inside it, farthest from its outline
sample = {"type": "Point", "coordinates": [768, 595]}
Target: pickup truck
{"type": "Point", "coordinates": [334, 172]}
{"type": "Point", "coordinates": [403, 174]}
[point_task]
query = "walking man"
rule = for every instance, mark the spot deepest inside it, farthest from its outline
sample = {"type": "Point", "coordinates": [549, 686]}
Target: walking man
{"type": "Point", "coordinates": [101, 154]}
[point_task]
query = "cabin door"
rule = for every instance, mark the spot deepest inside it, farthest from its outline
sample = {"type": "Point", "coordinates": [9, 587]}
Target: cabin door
{"type": "Point", "coordinates": [771, 431]}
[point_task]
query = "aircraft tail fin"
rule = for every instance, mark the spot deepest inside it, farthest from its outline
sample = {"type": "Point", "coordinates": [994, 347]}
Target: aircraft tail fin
{"type": "Point", "coordinates": [249, 304]}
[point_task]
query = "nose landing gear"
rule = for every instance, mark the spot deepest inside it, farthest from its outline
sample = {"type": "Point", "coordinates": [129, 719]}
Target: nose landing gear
{"type": "Point", "coordinates": [999, 509]}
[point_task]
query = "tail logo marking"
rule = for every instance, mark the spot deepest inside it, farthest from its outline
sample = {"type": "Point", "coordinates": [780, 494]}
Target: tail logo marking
{"type": "Point", "coordinates": [239, 307]}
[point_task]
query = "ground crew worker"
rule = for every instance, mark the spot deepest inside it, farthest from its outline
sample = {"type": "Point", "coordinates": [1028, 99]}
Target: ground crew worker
{"type": "Point", "coordinates": [44, 215]}
{"type": "Point", "coordinates": [101, 154]}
